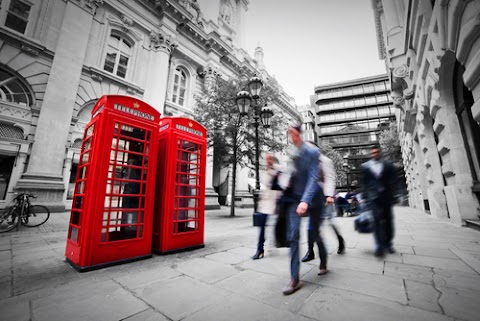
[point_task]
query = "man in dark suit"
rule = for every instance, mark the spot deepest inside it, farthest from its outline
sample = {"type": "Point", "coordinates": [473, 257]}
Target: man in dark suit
{"type": "Point", "coordinates": [304, 195]}
{"type": "Point", "coordinates": [378, 183]}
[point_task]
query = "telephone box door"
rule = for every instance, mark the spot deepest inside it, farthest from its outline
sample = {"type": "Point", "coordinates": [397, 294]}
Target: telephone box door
{"type": "Point", "coordinates": [179, 217]}
{"type": "Point", "coordinates": [112, 210]}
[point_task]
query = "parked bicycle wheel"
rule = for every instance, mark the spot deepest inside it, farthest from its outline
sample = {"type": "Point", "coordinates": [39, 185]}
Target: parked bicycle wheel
{"type": "Point", "coordinates": [37, 215]}
{"type": "Point", "coordinates": [8, 221]}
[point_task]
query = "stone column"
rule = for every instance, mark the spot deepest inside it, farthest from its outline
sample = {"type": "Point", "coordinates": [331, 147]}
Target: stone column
{"type": "Point", "coordinates": [421, 174]}
{"type": "Point", "coordinates": [45, 169]}
{"type": "Point", "coordinates": [431, 159]}
{"type": "Point", "coordinates": [161, 46]}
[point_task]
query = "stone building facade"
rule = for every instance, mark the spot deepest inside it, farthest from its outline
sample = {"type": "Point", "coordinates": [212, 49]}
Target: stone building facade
{"type": "Point", "coordinates": [57, 57]}
{"type": "Point", "coordinates": [432, 51]}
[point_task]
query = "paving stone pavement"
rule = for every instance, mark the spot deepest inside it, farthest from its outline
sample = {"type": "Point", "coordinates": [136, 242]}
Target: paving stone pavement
{"type": "Point", "coordinates": [435, 275]}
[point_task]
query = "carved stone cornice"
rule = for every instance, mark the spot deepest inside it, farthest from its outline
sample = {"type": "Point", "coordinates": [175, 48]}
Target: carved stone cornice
{"type": "Point", "coordinates": [160, 41]}
{"type": "Point", "coordinates": [127, 22]}
{"type": "Point", "coordinates": [90, 6]}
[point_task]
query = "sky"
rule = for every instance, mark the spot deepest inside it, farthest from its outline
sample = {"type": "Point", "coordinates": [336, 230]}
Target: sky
{"type": "Point", "coordinates": [307, 43]}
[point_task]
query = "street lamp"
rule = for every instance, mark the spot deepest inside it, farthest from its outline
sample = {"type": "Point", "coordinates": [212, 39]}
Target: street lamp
{"type": "Point", "coordinates": [244, 100]}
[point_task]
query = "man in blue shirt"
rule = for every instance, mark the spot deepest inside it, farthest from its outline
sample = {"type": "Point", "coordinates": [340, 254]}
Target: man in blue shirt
{"type": "Point", "coordinates": [304, 194]}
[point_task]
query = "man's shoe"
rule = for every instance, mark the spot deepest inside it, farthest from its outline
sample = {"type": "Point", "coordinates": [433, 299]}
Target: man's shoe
{"type": "Point", "coordinates": [391, 250]}
{"type": "Point", "coordinates": [379, 253]}
{"type": "Point", "coordinates": [292, 287]}
{"type": "Point", "coordinates": [308, 257]}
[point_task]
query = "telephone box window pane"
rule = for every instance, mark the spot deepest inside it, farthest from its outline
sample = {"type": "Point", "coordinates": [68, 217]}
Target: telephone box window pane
{"type": "Point", "coordinates": [104, 234]}
{"type": "Point", "coordinates": [87, 143]}
{"type": "Point", "coordinates": [74, 233]}
{"type": "Point", "coordinates": [75, 219]}
{"type": "Point", "coordinates": [79, 189]}
{"type": "Point", "coordinates": [83, 172]}
{"type": "Point", "coordinates": [194, 191]}
{"type": "Point", "coordinates": [85, 157]}
{"type": "Point", "coordinates": [78, 202]}
{"type": "Point", "coordinates": [89, 131]}
{"type": "Point", "coordinates": [114, 217]}
{"type": "Point", "coordinates": [192, 214]}
{"type": "Point", "coordinates": [140, 231]}
{"type": "Point", "coordinates": [188, 226]}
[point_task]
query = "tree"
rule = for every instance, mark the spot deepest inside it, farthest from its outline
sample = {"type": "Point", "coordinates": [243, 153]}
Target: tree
{"type": "Point", "coordinates": [231, 136]}
{"type": "Point", "coordinates": [337, 160]}
{"type": "Point", "coordinates": [390, 145]}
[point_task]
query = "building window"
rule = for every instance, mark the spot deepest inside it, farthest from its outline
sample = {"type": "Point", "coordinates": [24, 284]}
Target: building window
{"type": "Point", "coordinates": [119, 52]}
{"type": "Point", "coordinates": [12, 90]}
{"type": "Point", "coordinates": [17, 15]}
{"type": "Point", "coordinates": [179, 87]}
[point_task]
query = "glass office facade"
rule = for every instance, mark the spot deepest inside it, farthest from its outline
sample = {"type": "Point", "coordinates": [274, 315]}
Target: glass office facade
{"type": "Point", "coordinates": [350, 117]}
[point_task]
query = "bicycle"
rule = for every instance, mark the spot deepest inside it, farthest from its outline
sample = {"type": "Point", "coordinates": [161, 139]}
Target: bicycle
{"type": "Point", "coordinates": [30, 215]}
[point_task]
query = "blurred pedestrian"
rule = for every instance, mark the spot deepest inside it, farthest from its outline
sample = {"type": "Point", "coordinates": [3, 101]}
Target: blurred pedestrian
{"type": "Point", "coordinates": [378, 184]}
{"type": "Point", "coordinates": [267, 201]}
{"type": "Point", "coordinates": [341, 204]}
{"type": "Point", "coordinates": [327, 184]}
{"type": "Point", "coordinates": [306, 196]}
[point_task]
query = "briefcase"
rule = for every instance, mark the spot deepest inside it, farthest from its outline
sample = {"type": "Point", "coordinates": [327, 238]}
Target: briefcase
{"type": "Point", "coordinates": [364, 222]}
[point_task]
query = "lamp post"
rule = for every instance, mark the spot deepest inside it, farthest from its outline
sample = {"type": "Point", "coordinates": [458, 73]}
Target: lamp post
{"type": "Point", "coordinates": [346, 167]}
{"type": "Point", "coordinates": [244, 100]}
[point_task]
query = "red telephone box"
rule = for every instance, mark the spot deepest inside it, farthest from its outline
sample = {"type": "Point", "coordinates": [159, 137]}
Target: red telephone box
{"type": "Point", "coordinates": [178, 222]}
{"type": "Point", "coordinates": [112, 209]}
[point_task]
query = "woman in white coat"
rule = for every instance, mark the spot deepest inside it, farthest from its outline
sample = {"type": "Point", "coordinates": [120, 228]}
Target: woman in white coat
{"type": "Point", "coordinates": [267, 202]}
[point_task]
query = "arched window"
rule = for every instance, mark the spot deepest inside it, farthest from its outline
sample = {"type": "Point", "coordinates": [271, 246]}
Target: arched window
{"type": "Point", "coordinates": [13, 90]}
{"type": "Point", "coordinates": [119, 52]}
{"type": "Point", "coordinates": [179, 87]}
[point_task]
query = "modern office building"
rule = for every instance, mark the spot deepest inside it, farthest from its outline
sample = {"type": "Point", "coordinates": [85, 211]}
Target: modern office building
{"type": "Point", "coordinates": [432, 51]}
{"type": "Point", "coordinates": [58, 57]}
{"type": "Point", "coordinates": [350, 116]}
{"type": "Point", "coordinates": [308, 123]}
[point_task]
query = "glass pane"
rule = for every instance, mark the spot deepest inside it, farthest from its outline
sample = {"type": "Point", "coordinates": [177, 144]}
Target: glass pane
{"type": "Point", "coordinates": [77, 202]}
{"type": "Point", "coordinates": [15, 23]}
{"type": "Point", "coordinates": [121, 71]}
{"type": "Point", "coordinates": [19, 8]}
{"type": "Point", "coordinates": [85, 157]}
{"type": "Point", "coordinates": [126, 47]}
{"type": "Point", "coordinates": [110, 62]}
{"type": "Point", "coordinates": [89, 131]}
{"type": "Point", "coordinates": [74, 233]}
{"type": "Point", "coordinates": [75, 218]}
{"type": "Point", "coordinates": [79, 187]}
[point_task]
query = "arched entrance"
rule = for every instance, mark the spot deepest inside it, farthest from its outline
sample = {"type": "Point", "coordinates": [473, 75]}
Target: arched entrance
{"type": "Point", "coordinates": [16, 100]}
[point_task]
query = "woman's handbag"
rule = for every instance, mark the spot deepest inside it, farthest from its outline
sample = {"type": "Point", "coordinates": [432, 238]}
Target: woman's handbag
{"type": "Point", "coordinates": [275, 183]}
{"type": "Point", "coordinates": [258, 219]}
{"type": "Point", "coordinates": [281, 227]}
